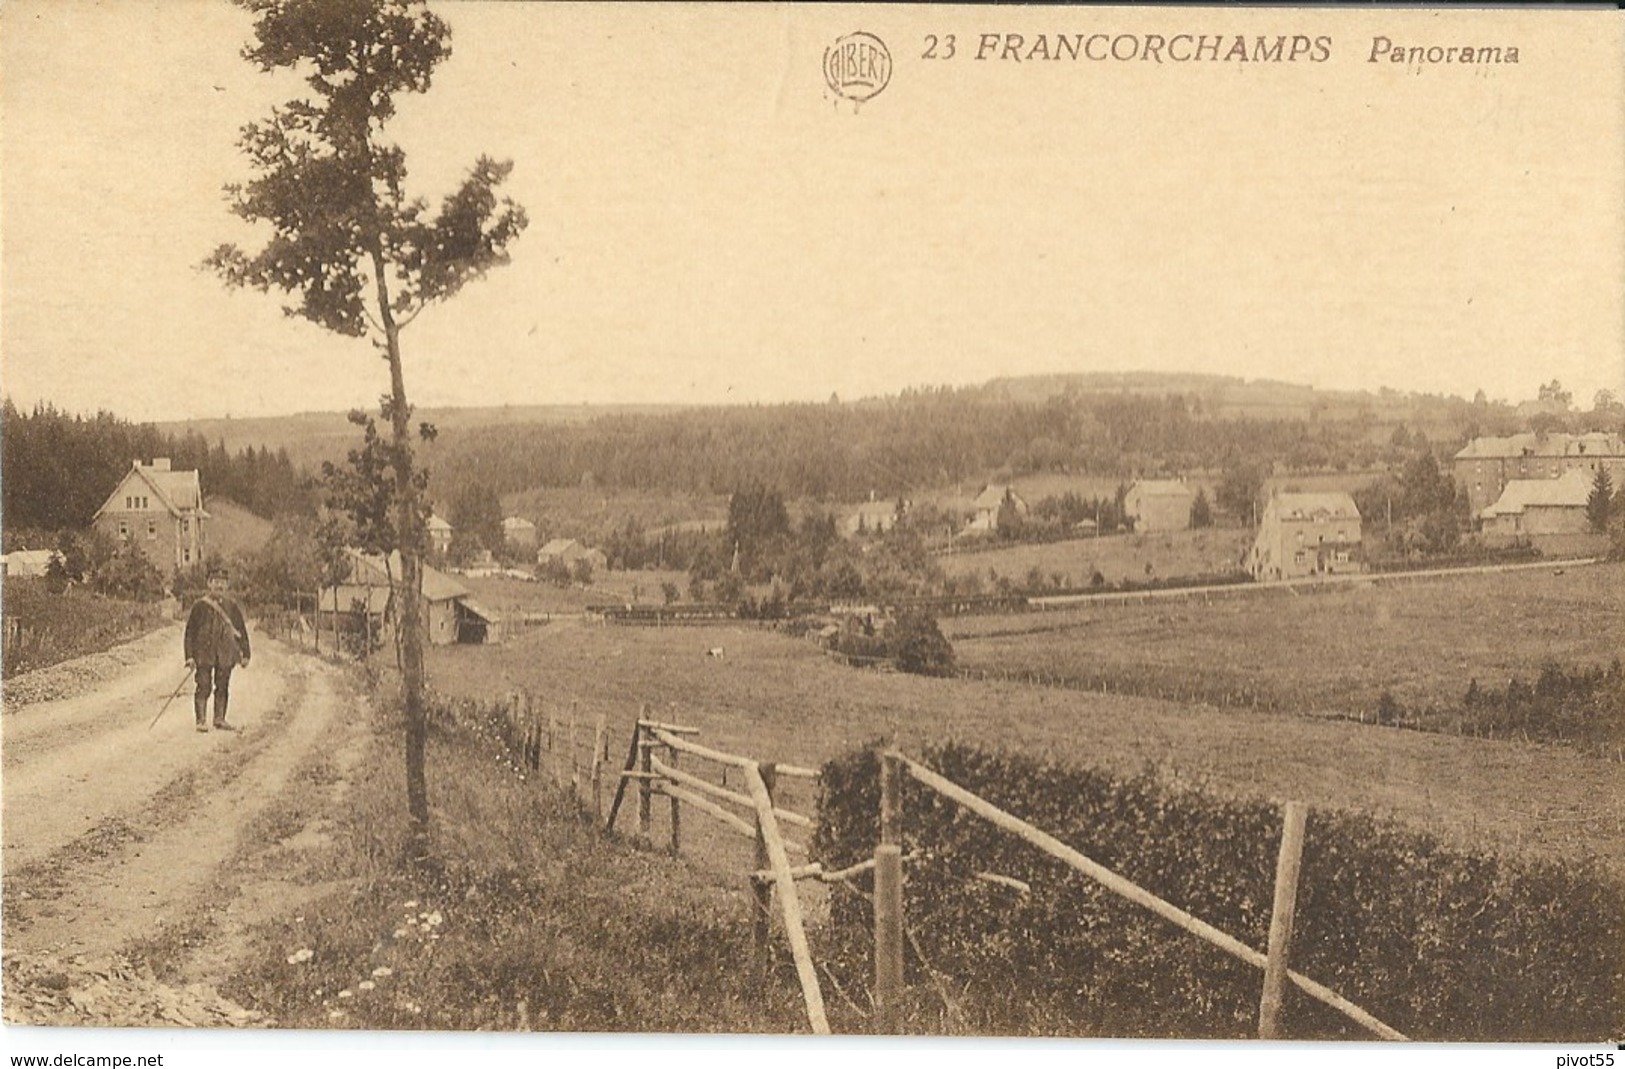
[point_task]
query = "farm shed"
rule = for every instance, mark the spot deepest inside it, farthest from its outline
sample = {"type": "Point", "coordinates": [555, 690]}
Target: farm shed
{"type": "Point", "coordinates": [1159, 505]}
{"type": "Point", "coordinates": [367, 592]}
{"type": "Point", "coordinates": [1307, 534]}
{"type": "Point", "coordinates": [1540, 506]}
{"type": "Point", "coordinates": [477, 624]}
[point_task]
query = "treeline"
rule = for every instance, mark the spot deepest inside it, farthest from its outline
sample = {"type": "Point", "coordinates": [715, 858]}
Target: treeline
{"type": "Point", "coordinates": [59, 468]}
{"type": "Point", "coordinates": [936, 437]}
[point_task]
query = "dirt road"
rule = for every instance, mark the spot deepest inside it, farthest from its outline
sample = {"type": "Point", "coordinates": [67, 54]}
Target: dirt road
{"type": "Point", "coordinates": [115, 833]}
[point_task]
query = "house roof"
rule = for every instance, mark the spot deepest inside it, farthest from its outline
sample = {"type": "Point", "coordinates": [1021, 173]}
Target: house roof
{"type": "Point", "coordinates": [435, 523]}
{"type": "Point", "coordinates": [558, 547]}
{"type": "Point", "coordinates": [1333, 504]}
{"type": "Point", "coordinates": [1571, 490]}
{"type": "Point", "coordinates": [993, 496]}
{"type": "Point", "coordinates": [437, 586]}
{"type": "Point", "coordinates": [178, 491]}
{"type": "Point", "coordinates": [482, 612]}
{"type": "Point", "coordinates": [517, 523]}
{"type": "Point", "coordinates": [1555, 444]}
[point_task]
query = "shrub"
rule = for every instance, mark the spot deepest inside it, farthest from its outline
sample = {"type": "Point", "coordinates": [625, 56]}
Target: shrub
{"type": "Point", "coordinates": [919, 646]}
{"type": "Point", "coordinates": [1440, 944]}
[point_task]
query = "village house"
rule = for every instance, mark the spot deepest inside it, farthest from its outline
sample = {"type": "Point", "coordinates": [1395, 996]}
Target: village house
{"type": "Point", "coordinates": [1540, 507]}
{"type": "Point", "coordinates": [568, 551]}
{"type": "Point", "coordinates": [519, 532]}
{"type": "Point", "coordinates": [986, 507]}
{"type": "Point", "coordinates": [159, 512]}
{"type": "Point", "coordinates": [874, 517]}
{"type": "Point", "coordinates": [1306, 534]}
{"type": "Point", "coordinates": [1485, 466]}
{"type": "Point", "coordinates": [439, 535]}
{"type": "Point", "coordinates": [449, 615]}
{"type": "Point", "coordinates": [1159, 505]}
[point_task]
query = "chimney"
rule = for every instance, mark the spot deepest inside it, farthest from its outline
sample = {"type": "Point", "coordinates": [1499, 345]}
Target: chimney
{"type": "Point", "coordinates": [160, 463]}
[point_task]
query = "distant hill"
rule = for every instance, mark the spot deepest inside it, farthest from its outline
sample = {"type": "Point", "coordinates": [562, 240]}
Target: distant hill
{"type": "Point", "coordinates": [312, 437]}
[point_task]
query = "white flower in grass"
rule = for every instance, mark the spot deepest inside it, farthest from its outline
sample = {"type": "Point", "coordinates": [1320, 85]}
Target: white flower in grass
{"type": "Point", "coordinates": [410, 904]}
{"type": "Point", "coordinates": [366, 985]}
{"type": "Point", "coordinates": [299, 957]}
{"type": "Point", "coordinates": [434, 920]}
{"type": "Point", "coordinates": [346, 993]}
{"type": "Point", "coordinates": [334, 1015]}
{"type": "Point", "coordinates": [383, 971]}
{"type": "Point", "coordinates": [400, 933]}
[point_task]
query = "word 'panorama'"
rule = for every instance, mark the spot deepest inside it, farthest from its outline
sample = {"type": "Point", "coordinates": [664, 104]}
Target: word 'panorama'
{"type": "Point", "coordinates": [1384, 50]}
{"type": "Point", "coordinates": [1155, 47]}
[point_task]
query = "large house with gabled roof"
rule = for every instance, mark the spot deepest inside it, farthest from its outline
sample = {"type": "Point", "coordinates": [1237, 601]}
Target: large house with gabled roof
{"type": "Point", "coordinates": [159, 512]}
{"type": "Point", "coordinates": [1307, 534]}
{"type": "Point", "coordinates": [1486, 465]}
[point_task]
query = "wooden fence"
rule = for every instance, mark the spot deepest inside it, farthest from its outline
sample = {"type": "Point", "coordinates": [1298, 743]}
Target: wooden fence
{"type": "Point", "coordinates": [888, 893]}
{"type": "Point", "coordinates": [664, 759]}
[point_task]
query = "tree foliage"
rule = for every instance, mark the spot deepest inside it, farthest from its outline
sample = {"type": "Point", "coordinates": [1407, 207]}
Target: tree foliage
{"type": "Point", "coordinates": [1600, 502]}
{"type": "Point", "coordinates": [352, 249]}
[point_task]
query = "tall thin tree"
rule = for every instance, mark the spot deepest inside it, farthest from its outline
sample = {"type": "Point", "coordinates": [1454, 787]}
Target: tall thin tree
{"type": "Point", "coordinates": [363, 258]}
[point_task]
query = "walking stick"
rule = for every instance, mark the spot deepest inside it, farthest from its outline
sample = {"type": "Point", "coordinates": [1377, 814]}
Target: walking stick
{"type": "Point", "coordinates": [172, 698]}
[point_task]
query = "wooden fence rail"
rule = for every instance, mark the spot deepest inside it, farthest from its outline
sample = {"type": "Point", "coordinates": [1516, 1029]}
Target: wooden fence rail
{"type": "Point", "coordinates": [661, 775]}
{"type": "Point", "coordinates": [1138, 895]}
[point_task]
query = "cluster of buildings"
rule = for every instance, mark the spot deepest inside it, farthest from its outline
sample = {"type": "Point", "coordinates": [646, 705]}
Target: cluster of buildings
{"type": "Point", "coordinates": [1536, 484]}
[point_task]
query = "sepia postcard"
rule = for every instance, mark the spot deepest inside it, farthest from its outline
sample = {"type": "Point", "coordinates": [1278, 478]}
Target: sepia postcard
{"type": "Point", "coordinates": [567, 530]}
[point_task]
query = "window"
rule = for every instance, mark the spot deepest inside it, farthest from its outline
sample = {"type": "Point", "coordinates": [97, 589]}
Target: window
{"type": "Point", "coordinates": [186, 525]}
{"type": "Point", "coordinates": [129, 502]}
{"type": "Point", "coordinates": [123, 529]}
{"type": "Point", "coordinates": [186, 556]}
{"type": "Point", "coordinates": [1342, 556]}
{"type": "Point", "coordinates": [152, 529]}
{"type": "Point", "coordinates": [1299, 557]}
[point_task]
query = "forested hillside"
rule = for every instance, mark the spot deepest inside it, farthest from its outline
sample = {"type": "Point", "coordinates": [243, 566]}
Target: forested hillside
{"type": "Point", "coordinates": [56, 469]}
{"type": "Point", "coordinates": [922, 438]}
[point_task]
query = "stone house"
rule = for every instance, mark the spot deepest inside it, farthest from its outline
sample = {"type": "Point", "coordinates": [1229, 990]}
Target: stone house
{"type": "Point", "coordinates": [1304, 534]}
{"type": "Point", "coordinates": [1159, 505]}
{"type": "Point", "coordinates": [159, 512]}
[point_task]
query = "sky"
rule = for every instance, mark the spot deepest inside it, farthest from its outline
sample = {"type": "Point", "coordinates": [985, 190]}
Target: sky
{"type": "Point", "coordinates": [711, 222]}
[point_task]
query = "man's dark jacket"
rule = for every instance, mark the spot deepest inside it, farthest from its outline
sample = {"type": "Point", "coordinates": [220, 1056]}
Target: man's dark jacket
{"type": "Point", "coordinates": [215, 632]}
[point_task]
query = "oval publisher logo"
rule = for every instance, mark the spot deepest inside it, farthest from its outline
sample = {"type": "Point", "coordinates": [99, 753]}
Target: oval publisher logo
{"type": "Point", "coordinates": [857, 66]}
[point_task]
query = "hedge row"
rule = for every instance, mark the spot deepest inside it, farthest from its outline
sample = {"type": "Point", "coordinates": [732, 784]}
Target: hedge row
{"type": "Point", "coordinates": [1442, 945]}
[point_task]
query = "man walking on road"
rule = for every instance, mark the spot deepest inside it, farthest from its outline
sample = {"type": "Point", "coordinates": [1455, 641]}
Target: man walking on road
{"type": "Point", "coordinates": [216, 642]}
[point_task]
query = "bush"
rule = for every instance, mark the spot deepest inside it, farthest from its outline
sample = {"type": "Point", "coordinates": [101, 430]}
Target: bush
{"type": "Point", "coordinates": [919, 646]}
{"type": "Point", "coordinates": [1441, 944]}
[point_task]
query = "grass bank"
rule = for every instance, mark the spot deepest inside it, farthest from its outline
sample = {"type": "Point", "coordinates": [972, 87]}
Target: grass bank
{"type": "Point", "coordinates": [527, 919]}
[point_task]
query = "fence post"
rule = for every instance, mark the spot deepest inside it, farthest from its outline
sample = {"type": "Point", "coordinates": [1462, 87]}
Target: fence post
{"type": "Point", "coordinates": [889, 898]}
{"type": "Point", "coordinates": [763, 889]}
{"type": "Point", "coordinates": [676, 810]}
{"type": "Point", "coordinates": [645, 745]}
{"type": "Point", "coordinates": [570, 748]}
{"type": "Point", "coordinates": [599, 745]}
{"type": "Point", "coordinates": [553, 746]}
{"type": "Point", "coordinates": [1281, 918]}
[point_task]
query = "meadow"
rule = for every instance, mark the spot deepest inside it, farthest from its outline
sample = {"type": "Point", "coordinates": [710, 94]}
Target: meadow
{"type": "Point", "coordinates": [1118, 557]}
{"type": "Point", "coordinates": [1332, 652]}
{"type": "Point", "coordinates": [772, 697]}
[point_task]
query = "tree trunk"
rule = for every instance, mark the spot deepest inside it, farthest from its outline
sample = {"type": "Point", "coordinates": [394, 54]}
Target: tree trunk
{"type": "Point", "coordinates": [409, 533]}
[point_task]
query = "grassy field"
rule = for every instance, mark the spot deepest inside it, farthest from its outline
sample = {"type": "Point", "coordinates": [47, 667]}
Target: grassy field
{"type": "Point", "coordinates": [1327, 653]}
{"type": "Point", "coordinates": [57, 627]}
{"type": "Point", "coordinates": [1170, 554]}
{"type": "Point", "coordinates": [774, 698]}
{"type": "Point", "coordinates": [510, 596]}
